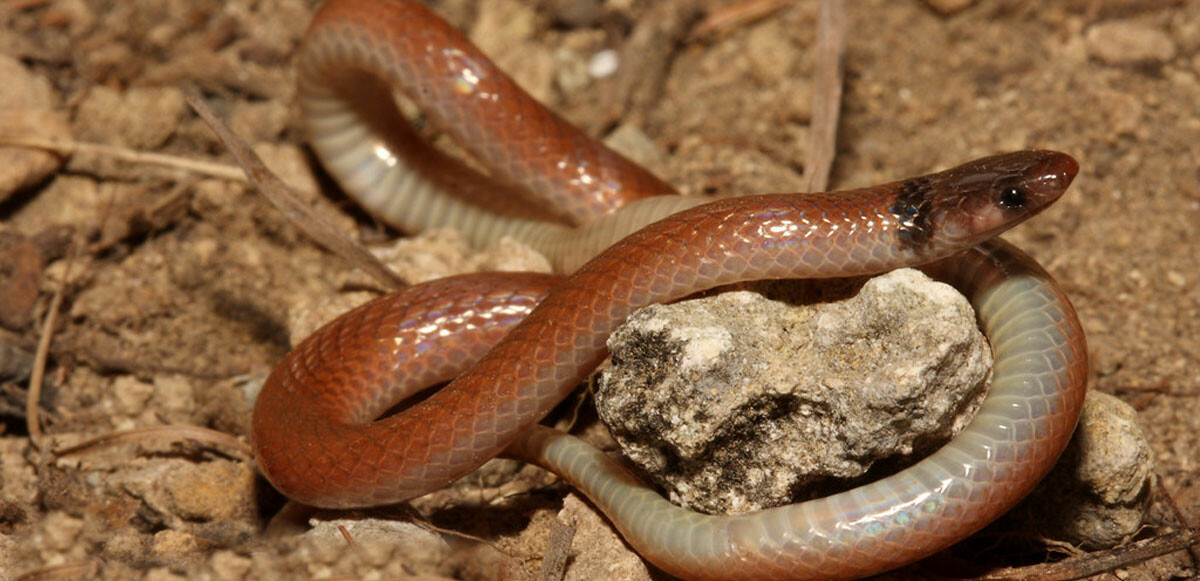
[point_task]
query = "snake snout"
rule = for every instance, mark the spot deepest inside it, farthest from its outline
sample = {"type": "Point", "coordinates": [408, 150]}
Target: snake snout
{"type": "Point", "coordinates": [1050, 177]}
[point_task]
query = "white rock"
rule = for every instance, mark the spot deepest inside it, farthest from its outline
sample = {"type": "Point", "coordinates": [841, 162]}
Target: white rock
{"type": "Point", "coordinates": [735, 402]}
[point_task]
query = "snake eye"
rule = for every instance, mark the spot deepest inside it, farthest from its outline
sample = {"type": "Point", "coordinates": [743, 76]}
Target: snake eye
{"type": "Point", "coordinates": [1011, 197]}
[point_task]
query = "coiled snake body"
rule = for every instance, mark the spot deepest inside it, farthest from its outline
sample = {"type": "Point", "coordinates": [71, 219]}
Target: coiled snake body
{"type": "Point", "coordinates": [516, 344]}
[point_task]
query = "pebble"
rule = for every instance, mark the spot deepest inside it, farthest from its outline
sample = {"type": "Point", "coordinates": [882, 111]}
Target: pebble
{"type": "Point", "coordinates": [1099, 493]}
{"type": "Point", "coordinates": [20, 278]}
{"type": "Point", "coordinates": [948, 7]}
{"type": "Point", "coordinates": [1129, 43]}
{"type": "Point", "coordinates": [140, 117]}
{"type": "Point", "coordinates": [28, 108]}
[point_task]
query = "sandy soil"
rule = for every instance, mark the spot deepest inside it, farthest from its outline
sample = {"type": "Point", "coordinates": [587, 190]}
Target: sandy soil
{"type": "Point", "coordinates": [181, 300]}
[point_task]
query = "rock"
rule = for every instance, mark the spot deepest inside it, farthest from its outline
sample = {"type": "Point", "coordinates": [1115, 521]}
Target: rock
{"type": "Point", "coordinates": [291, 165]}
{"type": "Point", "coordinates": [216, 490]}
{"type": "Point", "coordinates": [27, 109]}
{"type": "Point", "coordinates": [1129, 43]}
{"type": "Point", "coordinates": [571, 71]}
{"type": "Point", "coordinates": [20, 277]}
{"type": "Point", "coordinates": [19, 479]}
{"type": "Point", "coordinates": [125, 545]}
{"type": "Point", "coordinates": [164, 574]}
{"type": "Point", "coordinates": [504, 30]}
{"type": "Point", "coordinates": [261, 122]}
{"type": "Point", "coordinates": [1099, 493]}
{"type": "Point", "coordinates": [172, 545]}
{"type": "Point", "coordinates": [734, 403]}
{"type": "Point", "coordinates": [175, 398]}
{"type": "Point", "coordinates": [597, 551]}
{"type": "Point", "coordinates": [603, 64]}
{"type": "Point", "coordinates": [948, 7]}
{"type": "Point", "coordinates": [141, 117]}
{"type": "Point", "coordinates": [629, 140]}
{"type": "Point", "coordinates": [60, 531]}
{"type": "Point", "coordinates": [16, 363]}
{"type": "Point", "coordinates": [576, 13]}
{"type": "Point", "coordinates": [227, 564]}
{"type": "Point", "coordinates": [130, 395]}
{"type": "Point", "coordinates": [383, 546]}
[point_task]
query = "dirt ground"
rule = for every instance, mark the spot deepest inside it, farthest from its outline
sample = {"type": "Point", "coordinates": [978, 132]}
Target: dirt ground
{"type": "Point", "coordinates": [182, 296]}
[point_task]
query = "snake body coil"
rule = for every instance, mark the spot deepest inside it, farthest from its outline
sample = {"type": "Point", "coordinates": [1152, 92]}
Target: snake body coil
{"type": "Point", "coordinates": [515, 345]}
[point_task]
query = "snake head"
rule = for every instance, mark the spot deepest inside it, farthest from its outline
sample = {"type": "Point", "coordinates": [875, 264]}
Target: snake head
{"type": "Point", "coordinates": [970, 203]}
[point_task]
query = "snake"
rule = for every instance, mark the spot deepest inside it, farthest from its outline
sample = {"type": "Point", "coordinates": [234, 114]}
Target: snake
{"type": "Point", "coordinates": [510, 346]}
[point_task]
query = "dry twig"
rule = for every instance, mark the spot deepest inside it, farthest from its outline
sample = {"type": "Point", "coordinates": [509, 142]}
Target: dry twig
{"type": "Point", "coordinates": [558, 548]}
{"type": "Point", "coordinates": [33, 420]}
{"type": "Point", "coordinates": [827, 95]}
{"type": "Point", "coordinates": [158, 434]}
{"type": "Point", "coordinates": [66, 148]}
{"type": "Point", "coordinates": [89, 569]}
{"type": "Point", "coordinates": [309, 221]}
{"type": "Point", "coordinates": [1098, 562]}
{"type": "Point", "coordinates": [646, 58]}
{"type": "Point", "coordinates": [723, 19]}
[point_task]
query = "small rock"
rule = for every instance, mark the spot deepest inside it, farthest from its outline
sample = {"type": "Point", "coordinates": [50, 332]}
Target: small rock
{"type": "Point", "coordinates": [20, 277]}
{"type": "Point", "coordinates": [125, 545]}
{"type": "Point", "coordinates": [141, 118]}
{"type": "Point", "coordinates": [597, 551]}
{"type": "Point", "coordinates": [504, 30]}
{"type": "Point", "coordinates": [230, 565]}
{"type": "Point", "coordinates": [576, 13]}
{"type": "Point", "coordinates": [306, 317]}
{"type": "Point", "coordinates": [130, 395]}
{"type": "Point", "coordinates": [571, 71]}
{"type": "Point", "coordinates": [1129, 43]}
{"type": "Point", "coordinates": [21, 482]}
{"type": "Point", "coordinates": [16, 363]}
{"type": "Point", "coordinates": [603, 64]}
{"type": "Point", "coordinates": [210, 491]}
{"type": "Point", "coordinates": [508, 255]}
{"type": "Point", "coordinates": [378, 540]}
{"type": "Point", "coordinates": [948, 7]}
{"type": "Point", "coordinates": [1099, 493]}
{"type": "Point", "coordinates": [427, 256]}
{"type": "Point", "coordinates": [174, 398]}
{"type": "Point", "coordinates": [259, 121]}
{"type": "Point", "coordinates": [289, 163]}
{"type": "Point", "coordinates": [629, 140]}
{"type": "Point", "coordinates": [734, 402]}
{"type": "Point", "coordinates": [769, 48]}
{"type": "Point", "coordinates": [27, 109]}
{"type": "Point", "coordinates": [60, 530]}
{"type": "Point", "coordinates": [162, 574]}
{"type": "Point", "coordinates": [170, 544]}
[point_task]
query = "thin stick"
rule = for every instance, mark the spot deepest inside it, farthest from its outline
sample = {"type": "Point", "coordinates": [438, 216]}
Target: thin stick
{"type": "Point", "coordinates": [1181, 518]}
{"type": "Point", "coordinates": [32, 414]}
{"type": "Point", "coordinates": [827, 95]}
{"type": "Point", "coordinates": [88, 569]}
{"type": "Point", "coordinates": [33, 421]}
{"type": "Point", "coordinates": [1095, 563]}
{"type": "Point", "coordinates": [645, 61]}
{"type": "Point", "coordinates": [67, 148]}
{"type": "Point", "coordinates": [160, 434]}
{"type": "Point", "coordinates": [316, 226]}
{"type": "Point", "coordinates": [724, 19]}
{"type": "Point", "coordinates": [558, 550]}
{"type": "Point", "coordinates": [349, 539]}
